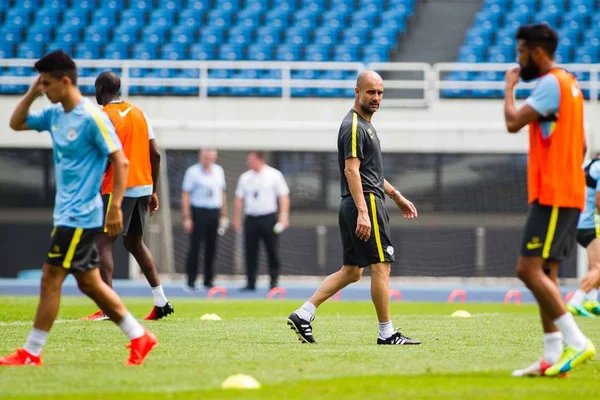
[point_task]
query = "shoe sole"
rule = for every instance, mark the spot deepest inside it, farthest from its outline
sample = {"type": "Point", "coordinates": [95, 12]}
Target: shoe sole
{"type": "Point", "coordinates": [293, 327]}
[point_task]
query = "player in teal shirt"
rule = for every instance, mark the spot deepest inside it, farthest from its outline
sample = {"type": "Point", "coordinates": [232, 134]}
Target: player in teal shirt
{"type": "Point", "coordinates": [83, 138]}
{"type": "Point", "coordinates": [585, 300]}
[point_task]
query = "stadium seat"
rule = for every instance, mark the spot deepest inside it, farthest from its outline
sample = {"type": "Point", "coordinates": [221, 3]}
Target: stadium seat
{"type": "Point", "coordinates": [258, 30]}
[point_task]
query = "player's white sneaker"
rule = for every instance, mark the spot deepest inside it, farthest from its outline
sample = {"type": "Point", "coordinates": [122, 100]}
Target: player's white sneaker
{"type": "Point", "coordinates": [538, 368]}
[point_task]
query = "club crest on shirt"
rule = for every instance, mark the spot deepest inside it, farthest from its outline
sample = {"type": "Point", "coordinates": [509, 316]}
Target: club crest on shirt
{"type": "Point", "coordinates": [370, 132]}
{"type": "Point", "coordinates": [72, 134]}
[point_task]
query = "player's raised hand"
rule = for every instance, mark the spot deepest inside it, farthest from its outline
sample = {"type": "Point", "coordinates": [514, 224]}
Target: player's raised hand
{"type": "Point", "coordinates": [512, 76]}
{"type": "Point", "coordinates": [114, 221]}
{"type": "Point", "coordinates": [153, 204]}
{"type": "Point", "coordinates": [363, 226]}
{"type": "Point", "coordinates": [408, 208]}
{"type": "Point", "coordinates": [36, 88]}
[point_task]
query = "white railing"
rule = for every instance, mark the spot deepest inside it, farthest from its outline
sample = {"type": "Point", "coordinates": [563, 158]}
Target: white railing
{"type": "Point", "coordinates": [425, 88]}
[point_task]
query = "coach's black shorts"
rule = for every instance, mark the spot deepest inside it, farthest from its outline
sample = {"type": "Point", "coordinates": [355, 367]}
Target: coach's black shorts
{"type": "Point", "coordinates": [73, 248]}
{"type": "Point", "coordinates": [134, 213]}
{"type": "Point", "coordinates": [378, 248]}
{"type": "Point", "coordinates": [586, 236]}
{"type": "Point", "coordinates": [550, 232]}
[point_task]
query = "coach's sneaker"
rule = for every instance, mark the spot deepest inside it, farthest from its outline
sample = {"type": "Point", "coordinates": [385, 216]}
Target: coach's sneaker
{"type": "Point", "coordinates": [140, 347]}
{"type": "Point", "coordinates": [579, 310]}
{"type": "Point", "coordinates": [97, 316]}
{"type": "Point", "coordinates": [397, 339]}
{"type": "Point", "coordinates": [592, 307]}
{"type": "Point", "coordinates": [21, 357]}
{"type": "Point", "coordinates": [301, 327]}
{"type": "Point", "coordinates": [160, 312]}
{"type": "Point", "coordinates": [571, 358]}
{"type": "Point", "coordinates": [538, 368]}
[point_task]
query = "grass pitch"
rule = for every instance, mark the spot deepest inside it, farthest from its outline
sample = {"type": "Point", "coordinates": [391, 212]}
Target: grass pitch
{"type": "Point", "coordinates": [460, 358]}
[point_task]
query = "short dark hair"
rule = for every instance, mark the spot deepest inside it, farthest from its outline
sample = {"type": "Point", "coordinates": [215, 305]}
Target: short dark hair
{"type": "Point", "coordinates": [58, 64]}
{"type": "Point", "coordinates": [259, 154]}
{"type": "Point", "coordinates": [110, 82]}
{"type": "Point", "coordinates": [539, 35]}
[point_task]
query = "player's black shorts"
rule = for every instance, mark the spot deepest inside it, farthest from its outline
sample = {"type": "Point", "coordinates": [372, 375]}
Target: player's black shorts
{"type": "Point", "coordinates": [550, 232]}
{"type": "Point", "coordinates": [586, 236]}
{"type": "Point", "coordinates": [378, 248]}
{"type": "Point", "coordinates": [134, 213]}
{"type": "Point", "coordinates": [73, 248]}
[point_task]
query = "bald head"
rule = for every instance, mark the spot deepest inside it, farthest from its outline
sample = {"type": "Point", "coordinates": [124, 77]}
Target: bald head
{"type": "Point", "coordinates": [368, 77]}
{"type": "Point", "coordinates": [107, 86]}
{"type": "Point", "coordinates": [207, 157]}
{"type": "Point", "coordinates": [368, 93]}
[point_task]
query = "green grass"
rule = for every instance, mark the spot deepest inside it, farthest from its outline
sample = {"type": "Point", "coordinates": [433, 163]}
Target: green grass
{"type": "Point", "coordinates": [459, 358]}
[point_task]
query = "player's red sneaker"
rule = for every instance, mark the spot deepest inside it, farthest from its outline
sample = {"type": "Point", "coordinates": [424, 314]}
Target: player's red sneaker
{"type": "Point", "coordinates": [97, 316]}
{"type": "Point", "coordinates": [140, 348]}
{"type": "Point", "coordinates": [21, 357]}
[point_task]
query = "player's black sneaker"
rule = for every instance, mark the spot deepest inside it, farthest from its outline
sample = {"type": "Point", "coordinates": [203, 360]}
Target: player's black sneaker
{"type": "Point", "coordinates": [301, 327]}
{"type": "Point", "coordinates": [398, 339]}
{"type": "Point", "coordinates": [160, 312]}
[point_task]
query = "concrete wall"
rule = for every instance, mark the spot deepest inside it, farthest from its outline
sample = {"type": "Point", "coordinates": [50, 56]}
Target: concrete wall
{"type": "Point", "coordinates": [311, 124]}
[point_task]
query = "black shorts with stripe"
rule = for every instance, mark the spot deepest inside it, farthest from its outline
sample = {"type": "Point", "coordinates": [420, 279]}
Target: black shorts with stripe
{"type": "Point", "coordinates": [73, 248]}
{"type": "Point", "coordinates": [378, 248]}
{"type": "Point", "coordinates": [134, 213]}
{"type": "Point", "coordinates": [550, 232]}
{"type": "Point", "coordinates": [587, 236]}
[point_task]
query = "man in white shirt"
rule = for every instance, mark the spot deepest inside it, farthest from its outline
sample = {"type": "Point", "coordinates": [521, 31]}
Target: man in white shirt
{"type": "Point", "coordinates": [204, 209]}
{"type": "Point", "coordinates": [264, 196]}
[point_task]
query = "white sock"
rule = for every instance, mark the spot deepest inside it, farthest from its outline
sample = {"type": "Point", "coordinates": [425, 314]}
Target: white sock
{"type": "Point", "coordinates": [592, 295]}
{"type": "Point", "coordinates": [578, 297]}
{"type": "Point", "coordinates": [553, 346]}
{"type": "Point", "coordinates": [386, 329]}
{"type": "Point", "coordinates": [131, 327]}
{"type": "Point", "coordinates": [160, 300]}
{"type": "Point", "coordinates": [307, 311]}
{"type": "Point", "coordinates": [573, 335]}
{"type": "Point", "coordinates": [35, 342]}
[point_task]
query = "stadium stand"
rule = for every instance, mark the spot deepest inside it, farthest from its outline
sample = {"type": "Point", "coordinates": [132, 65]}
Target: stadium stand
{"type": "Point", "coordinates": [261, 30]}
{"type": "Point", "coordinates": [491, 38]}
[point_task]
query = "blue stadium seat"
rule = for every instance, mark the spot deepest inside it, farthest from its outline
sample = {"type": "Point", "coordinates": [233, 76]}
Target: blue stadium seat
{"type": "Point", "coordinates": [212, 35]}
{"type": "Point", "coordinates": [60, 45]}
{"type": "Point", "coordinates": [219, 74]}
{"type": "Point", "coordinates": [29, 50]}
{"type": "Point", "coordinates": [155, 34]}
{"type": "Point", "coordinates": [88, 51]}
{"type": "Point", "coordinates": [47, 16]}
{"type": "Point", "coordinates": [297, 35]}
{"type": "Point", "coordinates": [203, 52]}
{"type": "Point", "coordinates": [260, 52]}
{"type": "Point", "coordinates": [376, 53]}
{"type": "Point", "coordinates": [116, 51]}
{"type": "Point", "coordinates": [277, 18]}
{"type": "Point", "coordinates": [327, 36]}
{"type": "Point", "coordinates": [154, 89]}
{"type": "Point", "coordinates": [38, 34]}
{"type": "Point", "coordinates": [126, 33]}
{"type": "Point", "coordinates": [586, 55]}
{"type": "Point", "coordinates": [144, 51]}
{"type": "Point", "coordinates": [366, 17]}
{"type": "Point", "coordinates": [104, 17]}
{"type": "Point", "coordinates": [76, 16]}
{"type": "Point", "coordinates": [183, 34]}
{"type": "Point", "coordinates": [170, 4]}
{"type": "Point", "coordinates": [303, 75]}
{"type": "Point", "coordinates": [270, 91]}
{"type": "Point", "coordinates": [355, 36]}
{"type": "Point", "coordinates": [133, 17]}
{"type": "Point", "coordinates": [56, 4]}
{"type": "Point", "coordinates": [245, 91]}
{"type": "Point", "coordinates": [173, 51]}
{"type": "Point", "coordinates": [318, 52]}
{"type": "Point", "coordinates": [97, 34]}
{"type": "Point", "coordinates": [199, 4]}
{"type": "Point", "coordinates": [87, 5]}
{"type": "Point", "coordinates": [550, 16]}
{"type": "Point", "coordinates": [287, 52]}
{"type": "Point", "coordinates": [188, 73]}
{"type": "Point", "coordinates": [11, 36]}
{"type": "Point", "coordinates": [7, 50]}
{"type": "Point", "coordinates": [559, 4]}
{"type": "Point", "coordinates": [142, 5]}
{"type": "Point", "coordinates": [470, 54]}
{"type": "Point", "coordinates": [231, 52]}
{"type": "Point", "coordinates": [345, 53]}
{"type": "Point", "coordinates": [241, 34]}
{"type": "Point", "coordinates": [162, 17]}
{"type": "Point", "coordinates": [192, 15]}
{"type": "Point", "coordinates": [327, 91]}
{"type": "Point", "coordinates": [220, 17]}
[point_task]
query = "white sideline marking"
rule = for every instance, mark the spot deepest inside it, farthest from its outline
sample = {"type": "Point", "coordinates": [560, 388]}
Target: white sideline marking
{"type": "Point", "coordinates": [20, 323]}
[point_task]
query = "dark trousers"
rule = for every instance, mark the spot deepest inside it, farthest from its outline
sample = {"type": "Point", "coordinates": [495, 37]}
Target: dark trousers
{"type": "Point", "coordinates": [206, 224]}
{"type": "Point", "coordinates": [255, 229]}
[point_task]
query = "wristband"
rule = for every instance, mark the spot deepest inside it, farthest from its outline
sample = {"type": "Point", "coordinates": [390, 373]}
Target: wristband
{"type": "Point", "coordinates": [394, 193]}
